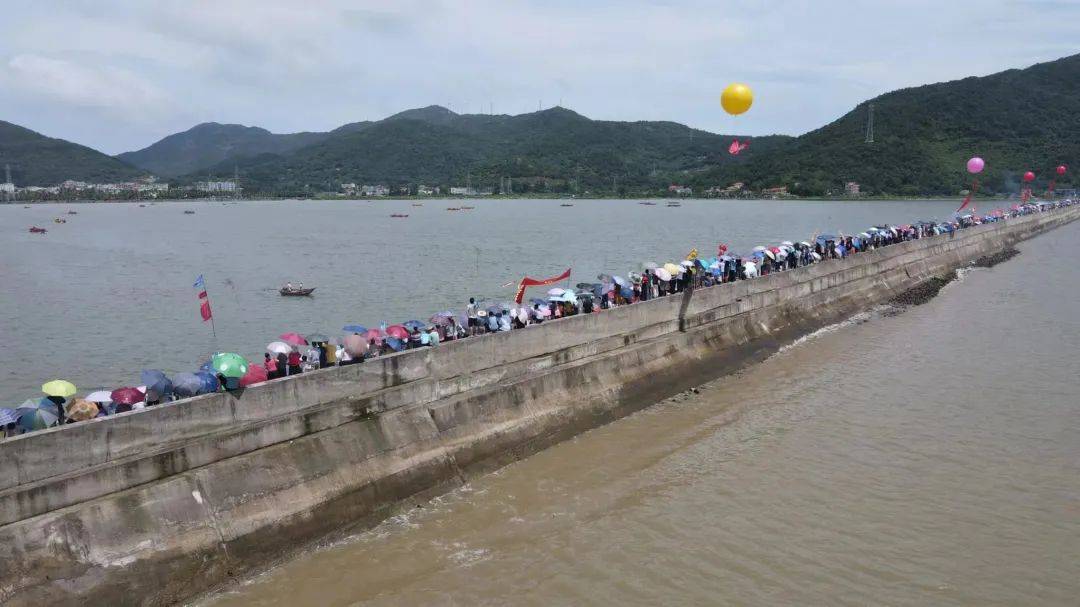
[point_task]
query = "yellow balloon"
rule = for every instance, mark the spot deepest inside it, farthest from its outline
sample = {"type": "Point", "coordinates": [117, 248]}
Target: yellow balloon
{"type": "Point", "coordinates": [737, 98]}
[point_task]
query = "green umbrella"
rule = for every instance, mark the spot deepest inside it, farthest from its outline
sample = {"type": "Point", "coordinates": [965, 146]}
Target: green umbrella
{"type": "Point", "coordinates": [229, 364]}
{"type": "Point", "coordinates": [317, 338]}
{"type": "Point", "coordinates": [58, 387]}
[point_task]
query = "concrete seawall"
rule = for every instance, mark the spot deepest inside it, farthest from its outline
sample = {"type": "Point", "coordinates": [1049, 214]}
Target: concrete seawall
{"type": "Point", "coordinates": [155, 506]}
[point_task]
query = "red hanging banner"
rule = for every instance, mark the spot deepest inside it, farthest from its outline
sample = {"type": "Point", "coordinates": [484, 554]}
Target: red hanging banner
{"type": "Point", "coordinates": [535, 282]}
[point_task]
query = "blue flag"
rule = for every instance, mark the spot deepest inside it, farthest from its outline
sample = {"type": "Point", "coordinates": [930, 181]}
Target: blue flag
{"type": "Point", "coordinates": [199, 282]}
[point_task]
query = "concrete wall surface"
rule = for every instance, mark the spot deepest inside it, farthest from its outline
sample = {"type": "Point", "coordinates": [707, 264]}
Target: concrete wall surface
{"type": "Point", "coordinates": [154, 506]}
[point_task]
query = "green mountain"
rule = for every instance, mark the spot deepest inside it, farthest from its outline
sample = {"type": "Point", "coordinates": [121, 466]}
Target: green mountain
{"type": "Point", "coordinates": [552, 150]}
{"type": "Point", "coordinates": [43, 161]}
{"type": "Point", "coordinates": [1016, 120]}
{"type": "Point", "coordinates": [208, 144]}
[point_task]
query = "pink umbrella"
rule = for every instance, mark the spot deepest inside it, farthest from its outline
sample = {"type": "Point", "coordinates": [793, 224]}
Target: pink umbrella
{"type": "Point", "coordinates": [397, 331]}
{"type": "Point", "coordinates": [293, 338]}
{"type": "Point", "coordinates": [255, 374]}
{"type": "Point", "coordinates": [355, 345]}
{"type": "Point", "coordinates": [127, 396]}
{"type": "Point", "coordinates": [374, 335]}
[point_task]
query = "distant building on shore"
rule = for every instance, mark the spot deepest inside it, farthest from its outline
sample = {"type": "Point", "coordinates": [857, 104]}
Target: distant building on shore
{"type": "Point", "coordinates": [851, 188]}
{"type": "Point", "coordinates": [374, 190]}
{"type": "Point", "coordinates": [424, 190]}
{"type": "Point", "coordinates": [216, 186]}
{"type": "Point", "coordinates": [680, 190]}
{"type": "Point", "coordinates": [735, 190]}
{"type": "Point", "coordinates": [470, 191]}
{"type": "Point", "coordinates": [777, 192]}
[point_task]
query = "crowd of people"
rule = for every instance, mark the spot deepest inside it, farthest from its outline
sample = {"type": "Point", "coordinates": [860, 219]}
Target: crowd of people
{"type": "Point", "coordinates": [294, 354]}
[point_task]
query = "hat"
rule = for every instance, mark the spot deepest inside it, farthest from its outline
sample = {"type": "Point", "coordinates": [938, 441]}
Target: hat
{"type": "Point", "coordinates": [482, 313]}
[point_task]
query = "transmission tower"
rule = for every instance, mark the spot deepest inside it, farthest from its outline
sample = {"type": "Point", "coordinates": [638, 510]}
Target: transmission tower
{"type": "Point", "coordinates": [870, 124]}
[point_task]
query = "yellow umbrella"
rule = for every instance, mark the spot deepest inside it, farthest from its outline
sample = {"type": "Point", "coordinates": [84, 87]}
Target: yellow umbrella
{"type": "Point", "coordinates": [672, 269]}
{"type": "Point", "coordinates": [58, 387]}
{"type": "Point", "coordinates": [81, 410]}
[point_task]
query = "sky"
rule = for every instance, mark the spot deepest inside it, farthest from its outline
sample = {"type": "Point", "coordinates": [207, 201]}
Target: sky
{"type": "Point", "coordinates": [118, 75]}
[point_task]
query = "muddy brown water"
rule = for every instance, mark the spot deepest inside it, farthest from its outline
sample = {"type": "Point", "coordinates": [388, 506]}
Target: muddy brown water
{"type": "Point", "coordinates": [921, 455]}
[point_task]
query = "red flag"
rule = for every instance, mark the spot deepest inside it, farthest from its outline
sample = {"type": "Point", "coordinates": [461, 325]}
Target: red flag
{"type": "Point", "coordinates": [967, 199]}
{"type": "Point", "coordinates": [721, 249]}
{"type": "Point", "coordinates": [534, 282]}
{"type": "Point", "coordinates": [204, 309]}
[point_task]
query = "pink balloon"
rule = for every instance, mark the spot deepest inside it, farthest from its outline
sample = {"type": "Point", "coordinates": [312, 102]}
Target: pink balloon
{"type": "Point", "coordinates": [975, 165]}
{"type": "Point", "coordinates": [1061, 169]}
{"type": "Point", "coordinates": [1029, 176]}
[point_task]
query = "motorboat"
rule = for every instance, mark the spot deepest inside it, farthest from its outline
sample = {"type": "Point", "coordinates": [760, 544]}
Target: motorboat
{"type": "Point", "coordinates": [295, 291]}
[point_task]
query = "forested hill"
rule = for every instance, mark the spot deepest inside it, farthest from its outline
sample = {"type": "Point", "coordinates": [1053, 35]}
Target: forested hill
{"type": "Point", "coordinates": [551, 150]}
{"type": "Point", "coordinates": [38, 160]}
{"type": "Point", "coordinates": [1016, 120]}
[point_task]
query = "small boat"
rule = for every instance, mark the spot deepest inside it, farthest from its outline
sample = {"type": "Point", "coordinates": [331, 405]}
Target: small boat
{"type": "Point", "coordinates": [399, 215]}
{"type": "Point", "coordinates": [453, 208]}
{"type": "Point", "coordinates": [648, 204]}
{"type": "Point", "coordinates": [566, 205]}
{"type": "Point", "coordinates": [37, 230]}
{"type": "Point", "coordinates": [26, 206]}
{"type": "Point", "coordinates": [73, 212]}
{"type": "Point", "coordinates": [189, 212]}
{"type": "Point", "coordinates": [674, 204]}
{"type": "Point", "coordinates": [142, 206]}
{"type": "Point", "coordinates": [418, 204]}
{"type": "Point", "coordinates": [59, 220]}
{"type": "Point", "coordinates": [464, 208]}
{"type": "Point", "coordinates": [295, 292]}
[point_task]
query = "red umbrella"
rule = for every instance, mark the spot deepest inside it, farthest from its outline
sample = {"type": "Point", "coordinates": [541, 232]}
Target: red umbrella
{"type": "Point", "coordinates": [127, 396]}
{"type": "Point", "coordinates": [355, 345]}
{"type": "Point", "coordinates": [397, 331]}
{"type": "Point", "coordinates": [293, 338]}
{"type": "Point", "coordinates": [255, 374]}
{"type": "Point", "coordinates": [374, 334]}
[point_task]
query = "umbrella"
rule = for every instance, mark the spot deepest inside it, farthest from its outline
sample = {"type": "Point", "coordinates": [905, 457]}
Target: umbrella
{"type": "Point", "coordinates": [317, 338]}
{"type": "Point", "coordinates": [255, 374]}
{"type": "Point", "coordinates": [651, 265]}
{"type": "Point", "coordinates": [495, 309]}
{"type": "Point", "coordinates": [787, 243]}
{"type": "Point", "coordinates": [187, 384]}
{"type": "Point", "coordinates": [156, 382]}
{"type": "Point", "coordinates": [662, 274]}
{"type": "Point", "coordinates": [413, 324]}
{"type": "Point", "coordinates": [374, 335]}
{"type": "Point", "coordinates": [8, 416]}
{"type": "Point", "coordinates": [395, 344]}
{"type": "Point", "coordinates": [759, 249]}
{"type": "Point", "coordinates": [397, 331]}
{"type": "Point", "coordinates": [229, 364]}
{"type": "Point", "coordinates": [358, 329]}
{"type": "Point", "coordinates": [770, 254]}
{"type": "Point", "coordinates": [441, 320]}
{"type": "Point", "coordinates": [686, 263]}
{"type": "Point", "coordinates": [101, 396]}
{"type": "Point", "coordinates": [619, 280]}
{"type": "Point", "coordinates": [727, 258]}
{"type": "Point", "coordinates": [58, 387]}
{"type": "Point", "coordinates": [555, 292]}
{"type": "Point", "coordinates": [278, 347]}
{"type": "Point", "coordinates": [671, 269]}
{"type": "Point", "coordinates": [127, 396]}
{"type": "Point", "coordinates": [357, 346]}
{"type": "Point", "coordinates": [817, 256]}
{"type": "Point", "coordinates": [603, 277]}
{"type": "Point", "coordinates": [293, 338]}
{"type": "Point", "coordinates": [583, 285]}
{"type": "Point", "coordinates": [81, 410]}
{"type": "Point", "coordinates": [806, 244]}
{"type": "Point", "coordinates": [209, 380]}
{"type": "Point", "coordinates": [37, 414]}
{"type": "Point", "coordinates": [536, 301]}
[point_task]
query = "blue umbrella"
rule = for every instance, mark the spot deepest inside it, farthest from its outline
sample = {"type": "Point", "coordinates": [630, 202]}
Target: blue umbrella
{"type": "Point", "coordinates": [361, 329]}
{"type": "Point", "coordinates": [156, 382]}
{"type": "Point", "coordinates": [186, 385]}
{"type": "Point", "coordinates": [824, 237]}
{"type": "Point", "coordinates": [8, 416]}
{"type": "Point", "coordinates": [207, 366]}
{"type": "Point", "coordinates": [37, 415]}
{"type": "Point", "coordinates": [209, 380]}
{"type": "Point", "coordinates": [395, 344]}
{"type": "Point", "coordinates": [627, 293]}
{"type": "Point", "coordinates": [413, 324]}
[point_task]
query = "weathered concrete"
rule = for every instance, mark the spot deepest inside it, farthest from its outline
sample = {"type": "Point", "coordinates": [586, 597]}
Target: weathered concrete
{"type": "Point", "coordinates": [153, 506]}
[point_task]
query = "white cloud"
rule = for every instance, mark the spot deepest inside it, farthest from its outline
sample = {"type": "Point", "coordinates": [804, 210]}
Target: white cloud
{"type": "Point", "coordinates": [86, 86]}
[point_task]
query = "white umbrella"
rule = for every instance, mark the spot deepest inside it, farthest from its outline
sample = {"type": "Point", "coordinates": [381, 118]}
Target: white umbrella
{"type": "Point", "coordinates": [279, 347]}
{"type": "Point", "coordinates": [662, 274]}
{"type": "Point", "coordinates": [619, 280]}
{"type": "Point", "coordinates": [769, 254]}
{"type": "Point", "coordinates": [806, 244]}
{"type": "Point", "coordinates": [652, 265]}
{"type": "Point", "coordinates": [760, 249]}
{"type": "Point", "coordinates": [686, 263]}
{"type": "Point", "coordinates": [787, 243]}
{"type": "Point", "coordinates": [817, 256]}
{"type": "Point", "coordinates": [556, 292]}
{"type": "Point", "coordinates": [101, 396]}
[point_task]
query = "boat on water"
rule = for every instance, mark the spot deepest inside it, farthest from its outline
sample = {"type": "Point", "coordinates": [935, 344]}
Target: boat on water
{"type": "Point", "coordinates": [418, 204]}
{"type": "Point", "coordinates": [399, 215]}
{"type": "Point", "coordinates": [453, 208]}
{"type": "Point", "coordinates": [37, 230]}
{"type": "Point", "coordinates": [59, 220]}
{"type": "Point", "coordinates": [142, 206]}
{"type": "Point", "coordinates": [189, 212]}
{"type": "Point", "coordinates": [296, 292]}
{"type": "Point", "coordinates": [648, 204]}
{"type": "Point", "coordinates": [73, 212]}
{"type": "Point", "coordinates": [674, 204]}
{"type": "Point", "coordinates": [566, 205]}
{"type": "Point", "coordinates": [464, 208]}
